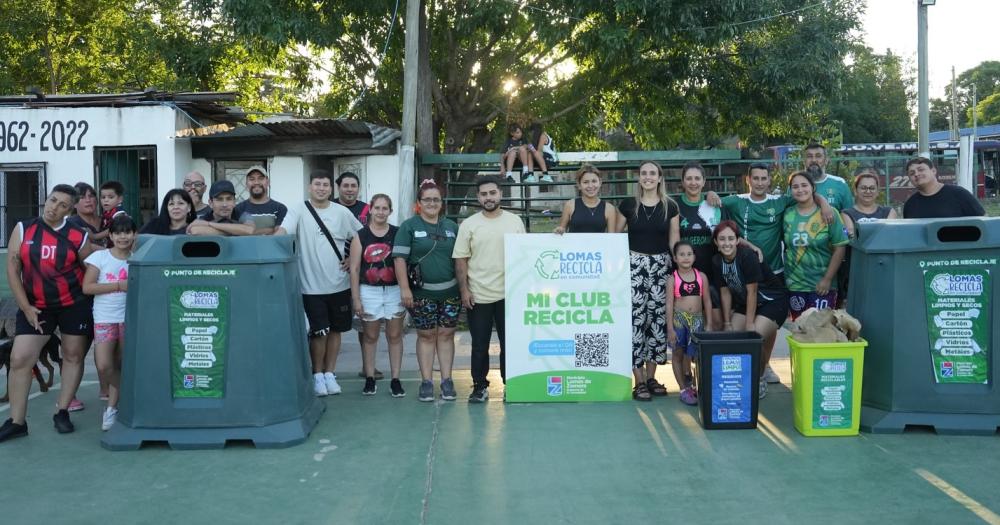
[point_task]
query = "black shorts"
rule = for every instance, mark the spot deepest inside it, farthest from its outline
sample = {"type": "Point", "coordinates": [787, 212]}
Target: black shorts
{"type": "Point", "coordinates": [776, 310]}
{"type": "Point", "coordinates": [328, 312]}
{"type": "Point", "coordinates": [71, 320]}
{"type": "Point", "coordinates": [713, 293]}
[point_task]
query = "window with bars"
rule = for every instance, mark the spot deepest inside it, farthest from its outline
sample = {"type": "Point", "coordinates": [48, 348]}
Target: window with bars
{"type": "Point", "coordinates": [22, 195]}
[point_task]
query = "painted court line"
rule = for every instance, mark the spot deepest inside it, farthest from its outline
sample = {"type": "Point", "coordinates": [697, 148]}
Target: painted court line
{"type": "Point", "coordinates": [6, 406]}
{"type": "Point", "coordinates": [652, 431]}
{"type": "Point", "coordinates": [962, 498]}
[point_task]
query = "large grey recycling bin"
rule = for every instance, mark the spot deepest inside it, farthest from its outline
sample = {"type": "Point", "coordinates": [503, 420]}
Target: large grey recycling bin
{"type": "Point", "coordinates": [925, 293]}
{"type": "Point", "coordinates": [215, 345]}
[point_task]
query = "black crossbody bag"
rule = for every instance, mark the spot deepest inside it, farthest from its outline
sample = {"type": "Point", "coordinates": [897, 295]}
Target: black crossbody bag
{"type": "Point", "coordinates": [325, 231]}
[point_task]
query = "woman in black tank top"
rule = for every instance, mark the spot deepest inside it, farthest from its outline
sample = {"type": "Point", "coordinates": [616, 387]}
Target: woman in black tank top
{"type": "Point", "coordinates": [865, 209]}
{"type": "Point", "coordinates": [587, 213]}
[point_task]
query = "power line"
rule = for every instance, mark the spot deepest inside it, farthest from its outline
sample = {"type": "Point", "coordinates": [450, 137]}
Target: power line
{"type": "Point", "coordinates": [381, 60]}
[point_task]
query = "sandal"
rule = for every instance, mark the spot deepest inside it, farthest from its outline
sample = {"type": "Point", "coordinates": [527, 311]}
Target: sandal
{"type": "Point", "coordinates": [641, 393]}
{"type": "Point", "coordinates": [655, 387]}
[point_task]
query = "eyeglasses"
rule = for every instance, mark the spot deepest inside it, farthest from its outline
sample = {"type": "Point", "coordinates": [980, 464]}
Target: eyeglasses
{"type": "Point", "coordinates": [189, 184]}
{"type": "Point", "coordinates": [431, 200]}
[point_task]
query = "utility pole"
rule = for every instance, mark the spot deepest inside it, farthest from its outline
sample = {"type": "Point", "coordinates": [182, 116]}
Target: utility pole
{"type": "Point", "coordinates": [954, 106]}
{"type": "Point", "coordinates": [923, 112]}
{"type": "Point", "coordinates": [411, 70]}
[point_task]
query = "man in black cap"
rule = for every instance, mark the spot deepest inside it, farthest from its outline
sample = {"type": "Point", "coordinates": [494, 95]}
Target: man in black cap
{"type": "Point", "coordinates": [222, 199]}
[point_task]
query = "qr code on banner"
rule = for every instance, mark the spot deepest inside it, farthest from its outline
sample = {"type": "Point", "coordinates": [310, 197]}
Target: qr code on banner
{"type": "Point", "coordinates": [591, 350]}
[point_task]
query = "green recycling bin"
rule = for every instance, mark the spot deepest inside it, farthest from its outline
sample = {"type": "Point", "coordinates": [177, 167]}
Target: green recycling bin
{"type": "Point", "coordinates": [925, 294]}
{"type": "Point", "coordinates": [215, 345]}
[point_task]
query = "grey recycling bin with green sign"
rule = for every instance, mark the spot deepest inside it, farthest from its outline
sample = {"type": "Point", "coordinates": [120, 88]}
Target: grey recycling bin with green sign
{"type": "Point", "coordinates": [215, 345]}
{"type": "Point", "coordinates": [925, 293]}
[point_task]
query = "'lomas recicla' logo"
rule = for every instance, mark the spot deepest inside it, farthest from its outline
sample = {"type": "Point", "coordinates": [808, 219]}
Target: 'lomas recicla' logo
{"type": "Point", "coordinates": [948, 284]}
{"type": "Point", "coordinates": [556, 264]}
{"type": "Point", "coordinates": [195, 299]}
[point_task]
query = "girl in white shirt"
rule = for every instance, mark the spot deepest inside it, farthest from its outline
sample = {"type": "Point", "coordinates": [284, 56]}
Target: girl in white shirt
{"type": "Point", "coordinates": [107, 280]}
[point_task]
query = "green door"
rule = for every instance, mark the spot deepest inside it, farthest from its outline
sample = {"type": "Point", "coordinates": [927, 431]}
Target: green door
{"type": "Point", "coordinates": [135, 168]}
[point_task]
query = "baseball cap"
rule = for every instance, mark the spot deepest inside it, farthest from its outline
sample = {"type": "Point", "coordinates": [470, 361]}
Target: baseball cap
{"type": "Point", "coordinates": [219, 187]}
{"type": "Point", "coordinates": [257, 168]}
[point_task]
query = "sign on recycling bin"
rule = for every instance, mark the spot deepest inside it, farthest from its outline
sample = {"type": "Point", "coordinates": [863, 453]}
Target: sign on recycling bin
{"type": "Point", "coordinates": [199, 333]}
{"type": "Point", "coordinates": [832, 393]}
{"type": "Point", "coordinates": [958, 322]}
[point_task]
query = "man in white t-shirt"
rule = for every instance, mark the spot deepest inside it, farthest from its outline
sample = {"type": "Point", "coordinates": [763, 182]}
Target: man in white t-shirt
{"type": "Point", "coordinates": [326, 285]}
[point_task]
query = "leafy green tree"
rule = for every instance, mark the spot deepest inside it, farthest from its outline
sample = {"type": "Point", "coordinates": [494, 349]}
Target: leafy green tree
{"type": "Point", "coordinates": [668, 73]}
{"type": "Point", "coordinates": [103, 46]}
{"type": "Point", "coordinates": [986, 79]}
{"type": "Point", "coordinates": [873, 99]}
{"type": "Point", "coordinates": [988, 110]}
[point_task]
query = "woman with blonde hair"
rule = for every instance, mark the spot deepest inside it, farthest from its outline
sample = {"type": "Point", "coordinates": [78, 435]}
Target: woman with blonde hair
{"type": "Point", "coordinates": [647, 217]}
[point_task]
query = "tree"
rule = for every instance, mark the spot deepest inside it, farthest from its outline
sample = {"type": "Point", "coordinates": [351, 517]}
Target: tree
{"type": "Point", "coordinates": [669, 73]}
{"type": "Point", "coordinates": [101, 46]}
{"type": "Point", "coordinates": [986, 79]}
{"type": "Point", "coordinates": [940, 114]}
{"type": "Point", "coordinates": [873, 101]}
{"type": "Point", "coordinates": [988, 110]}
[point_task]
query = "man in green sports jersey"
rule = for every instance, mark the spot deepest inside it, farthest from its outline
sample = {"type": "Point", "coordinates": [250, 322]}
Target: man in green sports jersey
{"type": "Point", "coordinates": [834, 189]}
{"type": "Point", "coordinates": [759, 213]}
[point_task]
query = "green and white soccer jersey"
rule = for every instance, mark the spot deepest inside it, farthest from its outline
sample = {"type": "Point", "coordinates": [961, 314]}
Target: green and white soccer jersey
{"type": "Point", "coordinates": [809, 244]}
{"type": "Point", "coordinates": [836, 191]}
{"type": "Point", "coordinates": [761, 222]}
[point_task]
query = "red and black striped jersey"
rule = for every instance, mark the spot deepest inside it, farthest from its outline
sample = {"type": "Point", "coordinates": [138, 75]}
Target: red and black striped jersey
{"type": "Point", "coordinates": [51, 272]}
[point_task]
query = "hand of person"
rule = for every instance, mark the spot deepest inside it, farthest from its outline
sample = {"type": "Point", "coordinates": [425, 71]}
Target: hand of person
{"type": "Point", "coordinates": [827, 212]}
{"type": "Point", "coordinates": [760, 253]}
{"type": "Point", "coordinates": [196, 223]}
{"type": "Point", "coordinates": [359, 309]}
{"type": "Point", "coordinates": [672, 337]}
{"type": "Point", "coordinates": [713, 199]}
{"type": "Point", "coordinates": [31, 314]}
{"type": "Point", "coordinates": [345, 265]}
{"type": "Point", "coordinates": [123, 285]}
{"type": "Point", "coordinates": [407, 297]}
{"type": "Point", "coordinates": [467, 300]}
{"type": "Point", "coordinates": [823, 286]}
{"type": "Point", "coordinates": [559, 230]}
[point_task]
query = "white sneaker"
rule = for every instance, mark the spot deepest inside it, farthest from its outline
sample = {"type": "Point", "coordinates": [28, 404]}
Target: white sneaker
{"type": "Point", "coordinates": [110, 414]}
{"type": "Point", "coordinates": [762, 389]}
{"type": "Point", "coordinates": [547, 178]}
{"type": "Point", "coordinates": [319, 385]}
{"type": "Point", "coordinates": [770, 376]}
{"type": "Point", "coordinates": [332, 387]}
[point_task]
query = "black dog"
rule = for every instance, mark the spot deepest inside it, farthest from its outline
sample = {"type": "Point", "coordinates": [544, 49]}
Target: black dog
{"type": "Point", "coordinates": [49, 355]}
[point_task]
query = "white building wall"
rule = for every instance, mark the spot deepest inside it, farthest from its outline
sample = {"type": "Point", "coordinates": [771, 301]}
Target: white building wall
{"type": "Point", "coordinates": [50, 128]}
{"type": "Point", "coordinates": [288, 179]}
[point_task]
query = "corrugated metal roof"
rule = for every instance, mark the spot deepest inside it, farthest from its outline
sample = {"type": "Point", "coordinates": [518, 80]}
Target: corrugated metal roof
{"type": "Point", "coordinates": [208, 105]}
{"type": "Point", "coordinates": [309, 128]}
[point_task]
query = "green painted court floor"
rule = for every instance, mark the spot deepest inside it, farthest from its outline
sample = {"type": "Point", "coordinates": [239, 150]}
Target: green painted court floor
{"type": "Point", "coordinates": [381, 460]}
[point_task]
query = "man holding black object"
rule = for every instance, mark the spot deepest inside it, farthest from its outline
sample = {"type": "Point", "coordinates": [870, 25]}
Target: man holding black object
{"type": "Point", "coordinates": [322, 227]}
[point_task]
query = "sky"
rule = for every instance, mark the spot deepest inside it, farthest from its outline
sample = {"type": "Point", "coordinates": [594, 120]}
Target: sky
{"type": "Point", "coordinates": [960, 33]}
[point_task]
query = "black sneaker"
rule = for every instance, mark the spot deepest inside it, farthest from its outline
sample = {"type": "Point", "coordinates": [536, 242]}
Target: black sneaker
{"type": "Point", "coordinates": [479, 394]}
{"type": "Point", "coordinates": [11, 430]}
{"type": "Point", "coordinates": [370, 387]}
{"type": "Point", "coordinates": [63, 424]}
{"type": "Point", "coordinates": [396, 388]}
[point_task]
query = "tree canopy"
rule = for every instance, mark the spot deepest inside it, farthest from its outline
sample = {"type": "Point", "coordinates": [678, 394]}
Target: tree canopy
{"type": "Point", "coordinates": [658, 74]}
{"type": "Point", "coordinates": [670, 73]}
